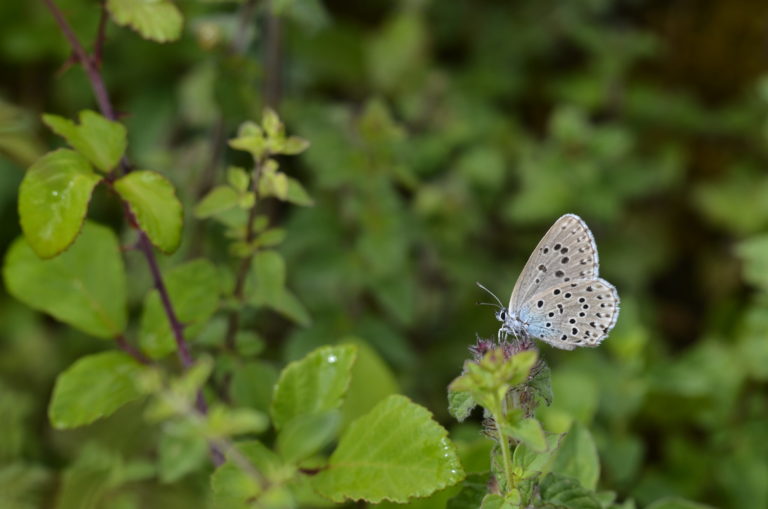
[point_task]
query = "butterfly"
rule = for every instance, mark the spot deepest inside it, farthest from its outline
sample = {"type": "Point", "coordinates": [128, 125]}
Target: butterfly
{"type": "Point", "coordinates": [559, 297]}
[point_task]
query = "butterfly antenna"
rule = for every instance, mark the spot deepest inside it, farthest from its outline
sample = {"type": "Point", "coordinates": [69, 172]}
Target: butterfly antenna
{"type": "Point", "coordinates": [492, 294]}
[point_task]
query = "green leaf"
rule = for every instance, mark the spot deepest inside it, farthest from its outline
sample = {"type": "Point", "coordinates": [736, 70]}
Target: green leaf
{"type": "Point", "coordinates": [152, 199]}
{"type": "Point", "coordinates": [156, 20]}
{"type": "Point", "coordinates": [99, 140]}
{"type": "Point", "coordinates": [577, 457]}
{"type": "Point", "coordinates": [219, 199]}
{"type": "Point", "coordinates": [238, 178]}
{"type": "Point", "coordinates": [528, 431]}
{"type": "Point", "coordinates": [297, 194]}
{"type": "Point", "coordinates": [494, 501]}
{"type": "Point", "coordinates": [223, 421]}
{"type": "Point", "coordinates": [395, 452]}
{"type": "Point", "coordinates": [317, 383]}
{"type": "Point", "coordinates": [234, 484]}
{"type": "Point", "coordinates": [266, 287]}
{"type": "Point", "coordinates": [305, 435]}
{"type": "Point", "coordinates": [566, 493]}
{"type": "Point", "coordinates": [271, 123]}
{"type": "Point", "coordinates": [460, 404]}
{"type": "Point", "coordinates": [253, 383]}
{"type": "Point", "coordinates": [194, 291]}
{"type": "Point", "coordinates": [93, 387]}
{"type": "Point", "coordinates": [531, 462]}
{"type": "Point", "coordinates": [250, 138]}
{"type": "Point", "coordinates": [181, 450]}
{"type": "Point", "coordinates": [294, 145]}
{"type": "Point", "coordinates": [372, 381]}
{"type": "Point", "coordinates": [53, 200]}
{"type": "Point", "coordinates": [83, 287]}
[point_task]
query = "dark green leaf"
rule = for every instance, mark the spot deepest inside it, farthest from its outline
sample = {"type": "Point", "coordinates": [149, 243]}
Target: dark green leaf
{"type": "Point", "coordinates": [99, 140]}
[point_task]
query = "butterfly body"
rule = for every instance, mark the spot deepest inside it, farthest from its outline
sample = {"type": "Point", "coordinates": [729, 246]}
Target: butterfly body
{"type": "Point", "coordinates": [559, 297]}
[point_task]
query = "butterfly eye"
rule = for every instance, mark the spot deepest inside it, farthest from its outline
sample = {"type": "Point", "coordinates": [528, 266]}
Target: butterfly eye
{"type": "Point", "coordinates": [502, 315]}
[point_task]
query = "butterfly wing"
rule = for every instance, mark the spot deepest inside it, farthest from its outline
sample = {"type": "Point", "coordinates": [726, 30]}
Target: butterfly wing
{"type": "Point", "coordinates": [565, 254]}
{"type": "Point", "coordinates": [571, 314]}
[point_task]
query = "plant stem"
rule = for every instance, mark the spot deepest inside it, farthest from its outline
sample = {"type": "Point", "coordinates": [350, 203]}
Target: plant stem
{"type": "Point", "coordinates": [233, 320]}
{"type": "Point", "coordinates": [131, 350]}
{"type": "Point", "coordinates": [144, 245]}
{"type": "Point", "coordinates": [504, 444]}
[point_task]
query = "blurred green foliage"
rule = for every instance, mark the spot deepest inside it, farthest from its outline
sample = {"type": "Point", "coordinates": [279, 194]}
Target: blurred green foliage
{"type": "Point", "coordinates": [446, 137]}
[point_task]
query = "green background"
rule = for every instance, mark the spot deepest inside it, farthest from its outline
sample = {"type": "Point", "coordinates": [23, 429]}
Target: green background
{"type": "Point", "coordinates": [446, 138]}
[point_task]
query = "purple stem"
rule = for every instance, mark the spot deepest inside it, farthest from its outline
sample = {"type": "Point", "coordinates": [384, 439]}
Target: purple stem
{"type": "Point", "coordinates": [143, 244]}
{"type": "Point", "coordinates": [131, 350]}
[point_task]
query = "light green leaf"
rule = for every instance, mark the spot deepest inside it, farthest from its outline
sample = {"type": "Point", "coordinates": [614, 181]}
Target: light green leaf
{"type": "Point", "coordinates": [577, 457]}
{"type": "Point", "coordinates": [460, 404]}
{"type": "Point", "coordinates": [473, 489]}
{"type": "Point", "coordinates": [297, 194]}
{"type": "Point", "coordinates": [181, 450]}
{"type": "Point", "coordinates": [152, 199]}
{"type": "Point", "coordinates": [305, 435]}
{"type": "Point", "coordinates": [266, 287]}
{"type": "Point", "coordinates": [271, 123]}
{"type": "Point", "coordinates": [233, 484]}
{"type": "Point", "coordinates": [754, 254]}
{"type": "Point", "coordinates": [156, 20]}
{"type": "Point", "coordinates": [395, 452]}
{"type": "Point", "coordinates": [219, 199]}
{"type": "Point", "coordinates": [238, 178]}
{"type": "Point", "coordinates": [194, 291]}
{"type": "Point", "coordinates": [250, 138]}
{"type": "Point", "coordinates": [83, 287]}
{"type": "Point", "coordinates": [566, 493]}
{"type": "Point", "coordinates": [93, 387]}
{"type": "Point", "coordinates": [53, 200]}
{"type": "Point", "coordinates": [294, 145]}
{"type": "Point", "coordinates": [99, 140]}
{"type": "Point", "coordinates": [317, 383]}
{"type": "Point", "coordinates": [528, 431]}
{"type": "Point", "coordinates": [223, 421]}
{"type": "Point", "coordinates": [531, 462]}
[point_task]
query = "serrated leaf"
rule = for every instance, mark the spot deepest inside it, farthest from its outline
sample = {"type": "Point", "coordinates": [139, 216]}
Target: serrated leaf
{"type": "Point", "coordinates": [372, 381]}
{"type": "Point", "coordinates": [317, 383]}
{"type": "Point", "coordinates": [494, 501]}
{"type": "Point", "coordinates": [297, 194]}
{"type": "Point", "coordinates": [528, 431]}
{"type": "Point", "coordinates": [530, 462]}
{"type": "Point", "coordinates": [566, 493]}
{"type": "Point", "coordinates": [194, 291]}
{"type": "Point", "coordinates": [577, 457]}
{"type": "Point", "coordinates": [219, 199]}
{"type": "Point", "coordinates": [181, 450]}
{"type": "Point", "coordinates": [83, 287]}
{"type": "Point", "coordinates": [414, 460]}
{"type": "Point", "coordinates": [460, 404]}
{"type": "Point", "coordinates": [266, 287]}
{"type": "Point", "coordinates": [93, 387]}
{"type": "Point", "coordinates": [96, 138]}
{"type": "Point", "coordinates": [53, 200]}
{"type": "Point", "coordinates": [271, 237]}
{"type": "Point", "coordinates": [152, 199]}
{"type": "Point", "coordinates": [156, 20]}
{"type": "Point", "coordinates": [305, 435]}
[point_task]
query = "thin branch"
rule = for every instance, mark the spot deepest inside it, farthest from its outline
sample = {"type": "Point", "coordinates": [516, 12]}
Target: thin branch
{"type": "Point", "coordinates": [94, 76]}
{"type": "Point", "coordinates": [131, 350]}
{"type": "Point", "coordinates": [233, 320]}
{"type": "Point", "coordinates": [101, 36]}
